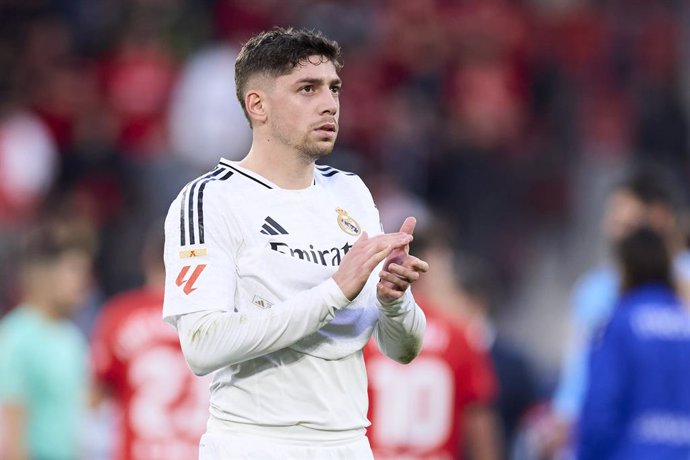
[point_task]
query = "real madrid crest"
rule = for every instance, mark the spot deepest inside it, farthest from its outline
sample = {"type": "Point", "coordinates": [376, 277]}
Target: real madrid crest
{"type": "Point", "coordinates": [347, 223]}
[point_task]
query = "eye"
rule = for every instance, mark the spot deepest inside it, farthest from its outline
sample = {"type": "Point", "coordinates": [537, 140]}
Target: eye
{"type": "Point", "coordinates": [308, 89]}
{"type": "Point", "coordinates": [336, 89]}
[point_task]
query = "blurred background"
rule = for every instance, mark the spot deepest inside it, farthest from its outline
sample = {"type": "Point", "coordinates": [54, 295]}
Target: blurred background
{"type": "Point", "coordinates": [506, 120]}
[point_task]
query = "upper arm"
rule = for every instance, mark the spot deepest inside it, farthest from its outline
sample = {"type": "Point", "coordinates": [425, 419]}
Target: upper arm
{"type": "Point", "coordinates": [13, 387]}
{"type": "Point", "coordinates": [13, 370]}
{"type": "Point", "coordinates": [200, 246]}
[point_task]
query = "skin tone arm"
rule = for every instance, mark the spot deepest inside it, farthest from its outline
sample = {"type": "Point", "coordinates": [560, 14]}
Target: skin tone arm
{"type": "Point", "coordinates": [13, 434]}
{"type": "Point", "coordinates": [482, 441]}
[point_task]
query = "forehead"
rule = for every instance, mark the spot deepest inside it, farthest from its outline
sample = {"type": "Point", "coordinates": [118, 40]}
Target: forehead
{"type": "Point", "coordinates": [315, 67]}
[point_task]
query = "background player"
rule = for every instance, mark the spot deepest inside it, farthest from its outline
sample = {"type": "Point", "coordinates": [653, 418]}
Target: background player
{"type": "Point", "coordinates": [271, 272]}
{"type": "Point", "coordinates": [444, 409]}
{"type": "Point", "coordinates": [636, 406]}
{"type": "Point", "coordinates": [43, 356]}
{"type": "Point", "coordinates": [647, 196]}
{"type": "Point", "coordinates": [137, 363]}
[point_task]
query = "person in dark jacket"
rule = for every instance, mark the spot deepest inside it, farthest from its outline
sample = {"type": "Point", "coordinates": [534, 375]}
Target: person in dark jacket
{"type": "Point", "coordinates": [637, 405]}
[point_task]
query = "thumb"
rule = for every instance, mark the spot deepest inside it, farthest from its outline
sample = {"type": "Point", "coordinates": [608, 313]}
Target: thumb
{"type": "Point", "coordinates": [409, 225]}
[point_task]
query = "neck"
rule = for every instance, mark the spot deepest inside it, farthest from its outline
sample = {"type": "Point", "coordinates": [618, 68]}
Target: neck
{"type": "Point", "coordinates": [155, 280]}
{"type": "Point", "coordinates": [281, 165]}
{"type": "Point", "coordinates": [44, 307]}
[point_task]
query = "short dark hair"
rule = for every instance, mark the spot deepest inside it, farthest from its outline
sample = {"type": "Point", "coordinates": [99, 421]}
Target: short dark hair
{"type": "Point", "coordinates": [653, 185]}
{"type": "Point", "coordinates": [46, 243]}
{"type": "Point", "coordinates": [644, 258]}
{"type": "Point", "coordinates": [277, 52]}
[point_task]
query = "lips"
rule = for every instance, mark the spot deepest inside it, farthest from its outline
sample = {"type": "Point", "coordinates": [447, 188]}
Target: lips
{"type": "Point", "coordinates": [327, 127]}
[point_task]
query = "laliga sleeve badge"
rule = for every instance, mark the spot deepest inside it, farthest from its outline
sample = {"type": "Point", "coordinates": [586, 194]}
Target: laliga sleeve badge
{"type": "Point", "coordinates": [347, 223]}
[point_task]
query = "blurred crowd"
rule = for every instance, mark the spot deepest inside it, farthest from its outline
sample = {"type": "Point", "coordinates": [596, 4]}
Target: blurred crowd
{"type": "Point", "coordinates": [505, 122]}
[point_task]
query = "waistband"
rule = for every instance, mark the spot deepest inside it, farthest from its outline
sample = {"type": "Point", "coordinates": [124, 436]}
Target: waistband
{"type": "Point", "coordinates": [289, 434]}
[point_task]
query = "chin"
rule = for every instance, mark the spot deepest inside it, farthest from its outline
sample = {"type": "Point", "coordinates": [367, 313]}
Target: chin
{"type": "Point", "coordinates": [317, 152]}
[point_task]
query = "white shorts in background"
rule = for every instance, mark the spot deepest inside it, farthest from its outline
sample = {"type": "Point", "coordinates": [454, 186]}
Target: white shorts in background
{"type": "Point", "coordinates": [241, 446]}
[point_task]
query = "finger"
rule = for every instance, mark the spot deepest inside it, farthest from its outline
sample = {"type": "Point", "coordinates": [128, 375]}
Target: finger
{"type": "Point", "coordinates": [379, 256]}
{"type": "Point", "coordinates": [396, 281]}
{"type": "Point", "coordinates": [405, 273]}
{"type": "Point", "coordinates": [395, 240]}
{"type": "Point", "coordinates": [386, 293]}
{"type": "Point", "coordinates": [409, 225]}
{"type": "Point", "coordinates": [416, 264]}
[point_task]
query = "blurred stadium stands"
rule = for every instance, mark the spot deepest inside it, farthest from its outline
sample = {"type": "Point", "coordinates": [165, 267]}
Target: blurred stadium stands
{"type": "Point", "coordinates": [507, 119]}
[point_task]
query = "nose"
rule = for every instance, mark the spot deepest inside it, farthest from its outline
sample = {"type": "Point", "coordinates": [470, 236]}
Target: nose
{"type": "Point", "coordinates": [329, 103]}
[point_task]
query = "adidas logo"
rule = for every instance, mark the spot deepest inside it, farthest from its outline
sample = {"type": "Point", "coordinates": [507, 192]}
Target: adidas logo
{"type": "Point", "coordinates": [271, 227]}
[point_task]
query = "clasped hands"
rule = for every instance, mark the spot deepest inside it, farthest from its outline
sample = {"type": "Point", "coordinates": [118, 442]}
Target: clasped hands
{"type": "Point", "coordinates": [400, 269]}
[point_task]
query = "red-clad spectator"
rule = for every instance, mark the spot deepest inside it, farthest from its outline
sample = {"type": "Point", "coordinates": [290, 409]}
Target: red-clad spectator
{"type": "Point", "coordinates": [138, 82]}
{"type": "Point", "coordinates": [137, 362]}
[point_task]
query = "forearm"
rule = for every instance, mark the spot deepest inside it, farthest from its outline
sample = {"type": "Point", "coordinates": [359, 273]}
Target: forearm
{"type": "Point", "coordinates": [13, 439]}
{"type": "Point", "coordinates": [400, 329]}
{"type": "Point", "coordinates": [483, 441]}
{"type": "Point", "coordinates": [211, 340]}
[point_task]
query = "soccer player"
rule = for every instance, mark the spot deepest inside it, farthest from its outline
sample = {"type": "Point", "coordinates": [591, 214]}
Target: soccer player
{"type": "Point", "coordinates": [645, 197]}
{"type": "Point", "coordinates": [444, 407]}
{"type": "Point", "coordinates": [637, 404]}
{"type": "Point", "coordinates": [138, 364]}
{"type": "Point", "coordinates": [271, 270]}
{"type": "Point", "coordinates": [43, 356]}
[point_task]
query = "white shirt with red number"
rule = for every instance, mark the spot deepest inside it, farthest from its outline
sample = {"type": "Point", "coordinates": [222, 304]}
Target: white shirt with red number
{"type": "Point", "coordinates": [290, 354]}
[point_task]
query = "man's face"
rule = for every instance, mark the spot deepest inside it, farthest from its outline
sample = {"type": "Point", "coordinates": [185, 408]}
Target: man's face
{"type": "Point", "coordinates": [303, 107]}
{"type": "Point", "coordinates": [624, 214]}
{"type": "Point", "coordinates": [68, 279]}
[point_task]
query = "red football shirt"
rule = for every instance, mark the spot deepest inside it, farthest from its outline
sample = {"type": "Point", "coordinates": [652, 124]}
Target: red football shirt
{"type": "Point", "coordinates": [164, 407]}
{"type": "Point", "coordinates": [416, 409]}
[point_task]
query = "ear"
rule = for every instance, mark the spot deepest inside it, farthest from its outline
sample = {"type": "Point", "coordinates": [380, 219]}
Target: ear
{"type": "Point", "coordinates": [255, 102]}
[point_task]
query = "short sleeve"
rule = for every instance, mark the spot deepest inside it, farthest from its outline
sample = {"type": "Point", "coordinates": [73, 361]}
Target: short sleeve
{"type": "Point", "coordinates": [200, 269]}
{"type": "Point", "coordinates": [13, 369]}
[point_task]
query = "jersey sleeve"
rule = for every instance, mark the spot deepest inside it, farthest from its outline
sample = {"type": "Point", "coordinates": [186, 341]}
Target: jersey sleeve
{"type": "Point", "coordinates": [13, 369]}
{"type": "Point", "coordinates": [200, 248]}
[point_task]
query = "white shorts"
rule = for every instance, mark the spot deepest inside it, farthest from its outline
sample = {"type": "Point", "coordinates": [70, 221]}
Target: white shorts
{"type": "Point", "coordinates": [227, 446]}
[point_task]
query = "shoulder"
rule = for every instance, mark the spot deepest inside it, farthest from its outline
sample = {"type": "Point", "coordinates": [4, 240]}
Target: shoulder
{"type": "Point", "coordinates": [330, 176]}
{"type": "Point", "coordinates": [594, 294]}
{"type": "Point", "coordinates": [343, 182]}
{"type": "Point", "coordinates": [18, 332]}
{"type": "Point", "coordinates": [208, 202]}
{"type": "Point", "coordinates": [681, 265]}
{"type": "Point", "coordinates": [596, 280]}
{"type": "Point", "coordinates": [15, 324]}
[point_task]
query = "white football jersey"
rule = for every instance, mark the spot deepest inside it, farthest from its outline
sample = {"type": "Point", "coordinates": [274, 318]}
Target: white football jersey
{"type": "Point", "coordinates": [238, 243]}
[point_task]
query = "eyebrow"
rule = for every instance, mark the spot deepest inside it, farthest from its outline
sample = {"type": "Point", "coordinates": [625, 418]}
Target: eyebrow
{"type": "Point", "coordinates": [318, 81]}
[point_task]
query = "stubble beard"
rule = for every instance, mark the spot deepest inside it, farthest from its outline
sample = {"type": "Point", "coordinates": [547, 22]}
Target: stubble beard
{"type": "Point", "coordinates": [309, 150]}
